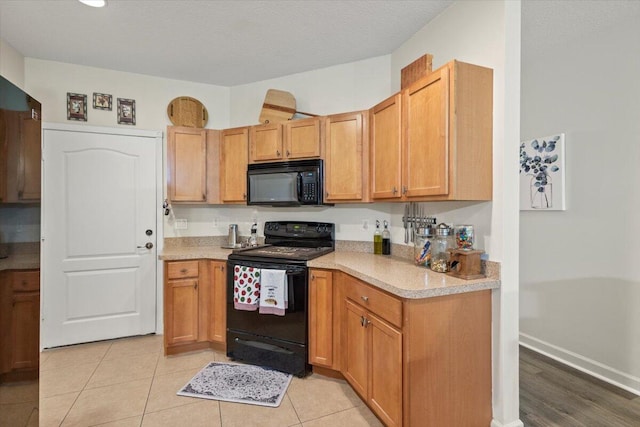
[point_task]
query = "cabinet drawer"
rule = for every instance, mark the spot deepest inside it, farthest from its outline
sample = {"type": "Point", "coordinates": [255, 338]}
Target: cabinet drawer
{"type": "Point", "coordinates": [26, 280]}
{"type": "Point", "coordinates": [377, 302]}
{"type": "Point", "coordinates": [182, 269]}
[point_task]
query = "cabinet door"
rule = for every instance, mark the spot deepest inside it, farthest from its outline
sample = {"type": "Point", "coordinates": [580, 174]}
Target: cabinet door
{"type": "Point", "coordinates": [218, 304]}
{"type": "Point", "coordinates": [187, 163]}
{"type": "Point", "coordinates": [234, 147]}
{"type": "Point", "coordinates": [356, 348]}
{"type": "Point", "coordinates": [25, 330]}
{"type": "Point", "coordinates": [3, 155]}
{"type": "Point", "coordinates": [321, 318]}
{"type": "Point", "coordinates": [385, 376]}
{"type": "Point", "coordinates": [426, 136]}
{"type": "Point", "coordinates": [345, 158]}
{"type": "Point", "coordinates": [181, 311]}
{"type": "Point", "coordinates": [386, 143]}
{"type": "Point", "coordinates": [265, 143]}
{"type": "Point", "coordinates": [302, 138]}
{"type": "Point", "coordinates": [29, 167]}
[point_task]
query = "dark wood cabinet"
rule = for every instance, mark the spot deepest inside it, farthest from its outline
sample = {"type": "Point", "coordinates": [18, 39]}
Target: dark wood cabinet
{"type": "Point", "coordinates": [19, 325]}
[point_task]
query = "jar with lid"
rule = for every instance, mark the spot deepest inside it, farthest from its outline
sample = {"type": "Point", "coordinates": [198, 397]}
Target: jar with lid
{"type": "Point", "coordinates": [440, 245]}
{"type": "Point", "coordinates": [422, 246]}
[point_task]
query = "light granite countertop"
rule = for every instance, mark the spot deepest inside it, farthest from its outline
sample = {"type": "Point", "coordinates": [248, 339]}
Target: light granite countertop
{"type": "Point", "coordinates": [400, 276]}
{"type": "Point", "coordinates": [396, 275]}
{"type": "Point", "coordinates": [21, 256]}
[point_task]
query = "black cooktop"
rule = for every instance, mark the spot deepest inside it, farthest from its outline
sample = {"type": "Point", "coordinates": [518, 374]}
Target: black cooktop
{"type": "Point", "coordinates": [291, 240]}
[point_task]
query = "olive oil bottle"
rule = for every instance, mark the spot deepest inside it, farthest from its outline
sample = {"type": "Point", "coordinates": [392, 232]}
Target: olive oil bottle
{"type": "Point", "coordinates": [377, 240]}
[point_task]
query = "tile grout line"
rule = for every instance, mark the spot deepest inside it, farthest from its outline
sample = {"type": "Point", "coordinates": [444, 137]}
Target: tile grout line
{"type": "Point", "coordinates": [153, 379]}
{"type": "Point", "coordinates": [85, 385]}
{"type": "Point", "coordinates": [292, 405]}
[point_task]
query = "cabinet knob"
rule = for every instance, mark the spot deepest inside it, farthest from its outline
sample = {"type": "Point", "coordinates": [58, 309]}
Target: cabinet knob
{"type": "Point", "coordinates": [395, 190]}
{"type": "Point", "coordinates": [365, 298]}
{"type": "Point", "coordinates": [195, 285]}
{"type": "Point", "coordinates": [364, 321]}
{"type": "Point", "coordinates": [288, 153]}
{"type": "Point", "coordinates": [313, 277]}
{"type": "Point", "coordinates": [183, 271]}
{"type": "Point", "coordinates": [204, 196]}
{"type": "Point", "coordinates": [404, 189]}
{"type": "Point", "coordinates": [278, 153]}
{"type": "Point", "coordinates": [244, 196]}
{"type": "Point", "coordinates": [222, 268]}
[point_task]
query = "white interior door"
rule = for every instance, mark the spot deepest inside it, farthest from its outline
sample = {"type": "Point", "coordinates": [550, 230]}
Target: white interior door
{"type": "Point", "coordinates": [99, 212]}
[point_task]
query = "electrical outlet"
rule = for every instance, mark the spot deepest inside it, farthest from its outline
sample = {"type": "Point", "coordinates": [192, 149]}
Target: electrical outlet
{"type": "Point", "coordinates": [181, 224]}
{"type": "Point", "coordinates": [365, 224]}
{"type": "Point", "coordinates": [215, 222]}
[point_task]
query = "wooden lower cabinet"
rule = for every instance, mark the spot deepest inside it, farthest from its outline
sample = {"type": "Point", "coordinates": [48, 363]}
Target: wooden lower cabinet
{"type": "Point", "coordinates": [321, 319]}
{"type": "Point", "coordinates": [373, 361]}
{"type": "Point", "coordinates": [19, 325]}
{"type": "Point", "coordinates": [415, 362]}
{"type": "Point", "coordinates": [194, 305]}
{"type": "Point", "coordinates": [218, 302]}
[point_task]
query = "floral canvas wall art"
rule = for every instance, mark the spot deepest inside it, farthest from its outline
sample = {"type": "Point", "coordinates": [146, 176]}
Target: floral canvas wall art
{"type": "Point", "coordinates": [542, 172]}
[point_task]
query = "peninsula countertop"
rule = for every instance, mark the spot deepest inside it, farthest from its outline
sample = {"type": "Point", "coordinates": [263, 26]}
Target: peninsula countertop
{"type": "Point", "coordinates": [398, 276]}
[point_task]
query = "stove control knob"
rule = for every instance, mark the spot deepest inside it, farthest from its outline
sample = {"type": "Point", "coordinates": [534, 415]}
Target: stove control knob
{"type": "Point", "coordinates": [276, 226]}
{"type": "Point", "coordinates": [268, 226]}
{"type": "Point", "coordinates": [318, 229]}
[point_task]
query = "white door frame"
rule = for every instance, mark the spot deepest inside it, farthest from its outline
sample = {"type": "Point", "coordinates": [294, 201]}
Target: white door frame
{"type": "Point", "coordinates": [158, 137]}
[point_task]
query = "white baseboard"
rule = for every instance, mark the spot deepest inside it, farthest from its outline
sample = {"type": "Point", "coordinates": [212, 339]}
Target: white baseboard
{"type": "Point", "coordinates": [516, 423]}
{"type": "Point", "coordinates": [584, 364]}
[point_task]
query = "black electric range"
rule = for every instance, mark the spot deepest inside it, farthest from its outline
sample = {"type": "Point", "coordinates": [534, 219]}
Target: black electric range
{"type": "Point", "coordinates": [276, 341]}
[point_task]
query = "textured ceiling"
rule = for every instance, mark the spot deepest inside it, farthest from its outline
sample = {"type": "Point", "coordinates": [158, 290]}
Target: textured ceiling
{"type": "Point", "coordinates": [217, 42]}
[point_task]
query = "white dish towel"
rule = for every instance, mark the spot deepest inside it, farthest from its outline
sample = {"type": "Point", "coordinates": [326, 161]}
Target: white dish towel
{"type": "Point", "coordinates": [273, 292]}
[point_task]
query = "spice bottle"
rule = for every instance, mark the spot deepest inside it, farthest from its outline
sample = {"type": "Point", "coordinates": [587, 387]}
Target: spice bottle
{"type": "Point", "coordinates": [442, 242]}
{"type": "Point", "coordinates": [377, 239]}
{"type": "Point", "coordinates": [386, 239]}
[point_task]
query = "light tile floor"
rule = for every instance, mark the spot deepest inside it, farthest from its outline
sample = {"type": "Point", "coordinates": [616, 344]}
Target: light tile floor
{"type": "Point", "coordinates": [129, 382]}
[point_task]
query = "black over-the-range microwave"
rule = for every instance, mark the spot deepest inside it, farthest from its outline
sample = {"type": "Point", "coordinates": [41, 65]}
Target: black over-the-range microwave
{"type": "Point", "coordinates": [294, 183]}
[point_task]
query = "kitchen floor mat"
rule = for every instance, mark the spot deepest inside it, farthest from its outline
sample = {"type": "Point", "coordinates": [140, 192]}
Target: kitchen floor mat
{"type": "Point", "coordinates": [233, 382]}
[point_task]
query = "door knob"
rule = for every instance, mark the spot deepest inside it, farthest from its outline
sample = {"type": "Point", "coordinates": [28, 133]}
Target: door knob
{"type": "Point", "coordinates": [148, 245]}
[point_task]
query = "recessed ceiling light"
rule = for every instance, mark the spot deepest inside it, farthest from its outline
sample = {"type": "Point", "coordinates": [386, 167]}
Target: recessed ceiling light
{"type": "Point", "coordinates": [94, 3]}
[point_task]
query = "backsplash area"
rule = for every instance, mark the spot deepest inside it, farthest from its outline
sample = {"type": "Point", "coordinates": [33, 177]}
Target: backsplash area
{"type": "Point", "coordinates": [19, 223]}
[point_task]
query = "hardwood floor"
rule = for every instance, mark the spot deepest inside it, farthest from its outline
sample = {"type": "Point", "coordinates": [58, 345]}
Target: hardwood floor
{"type": "Point", "coordinates": [553, 394]}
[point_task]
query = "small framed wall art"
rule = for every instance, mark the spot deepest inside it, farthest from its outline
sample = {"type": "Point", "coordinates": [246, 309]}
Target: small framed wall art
{"type": "Point", "coordinates": [126, 111]}
{"type": "Point", "coordinates": [102, 101]}
{"type": "Point", "coordinates": [76, 106]}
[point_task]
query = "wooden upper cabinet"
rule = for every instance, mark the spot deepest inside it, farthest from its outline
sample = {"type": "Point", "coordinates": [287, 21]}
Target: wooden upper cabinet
{"type": "Point", "coordinates": [346, 157]}
{"type": "Point", "coordinates": [187, 164]}
{"type": "Point", "coordinates": [265, 143]}
{"type": "Point", "coordinates": [386, 149]}
{"type": "Point", "coordinates": [447, 134]}
{"type": "Point", "coordinates": [302, 138]}
{"type": "Point", "coordinates": [234, 154]}
{"type": "Point", "coordinates": [21, 157]}
{"type": "Point", "coordinates": [426, 131]}
{"type": "Point", "coordinates": [30, 166]}
{"type": "Point", "coordinates": [290, 140]}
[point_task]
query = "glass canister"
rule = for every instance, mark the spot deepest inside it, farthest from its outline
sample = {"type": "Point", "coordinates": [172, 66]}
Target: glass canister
{"type": "Point", "coordinates": [422, 246]}
{"type": "Point", "coordinates": [440, 245]}
{"type": "Point", "coordinates": [464, 237]}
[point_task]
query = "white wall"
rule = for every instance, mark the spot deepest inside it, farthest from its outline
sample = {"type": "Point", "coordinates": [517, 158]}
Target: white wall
{"type": "Point", "coordinates": [580, 285]}
{"type": "Point", "coordinates": [49, 82]}
{"type": "Point", "coordinates": [11, 64]}
{"type": "Point", "coordinates": [487, 33]}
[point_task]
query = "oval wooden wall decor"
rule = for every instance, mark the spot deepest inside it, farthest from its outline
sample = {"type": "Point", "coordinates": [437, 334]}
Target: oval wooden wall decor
{"type": "Point", "coordinates": [187, 111]}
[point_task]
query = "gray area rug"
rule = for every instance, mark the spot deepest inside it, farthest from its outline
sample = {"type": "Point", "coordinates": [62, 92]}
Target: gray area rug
{"type": "Point", "coordinates": [232, 382]}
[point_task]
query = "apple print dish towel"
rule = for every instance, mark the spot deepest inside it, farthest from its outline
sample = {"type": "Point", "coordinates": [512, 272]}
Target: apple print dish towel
{"type": "Point", "coordinates": [246, 288]}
